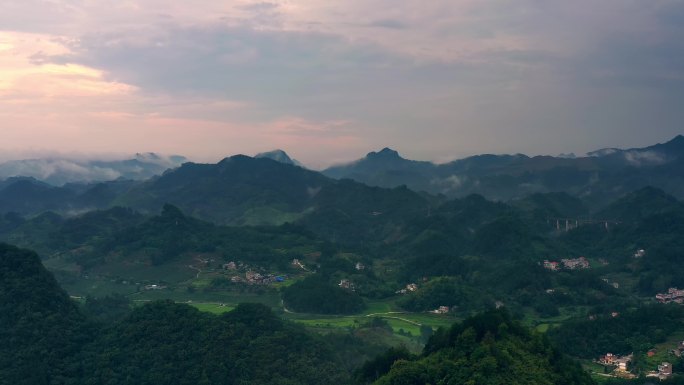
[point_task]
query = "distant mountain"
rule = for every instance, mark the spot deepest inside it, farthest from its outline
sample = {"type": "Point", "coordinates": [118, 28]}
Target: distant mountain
{"type": "Point", "coordinates": [28, 196]}
{"type": "Point", "coordinates": [385, 168]}
{"type": "Point", "coordinates": [640, 204]}
{"type": "Point", "coordinates": [58, 171]}
{"type": "Point", "coordinates": [279, 156]}
{"type": "Point", "coordinates": [602, 175]}
{"type": "Point", "coordinates": [237, 190]}
{"type": "Point", "coordinates": [241, 190]}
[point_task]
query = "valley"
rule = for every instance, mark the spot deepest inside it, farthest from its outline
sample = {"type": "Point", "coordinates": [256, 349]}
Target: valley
{"type": "Point", "coordinates": [372, 268]}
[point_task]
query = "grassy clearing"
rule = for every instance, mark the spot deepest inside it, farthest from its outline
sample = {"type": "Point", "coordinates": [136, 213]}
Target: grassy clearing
{"type": "Point", "coordinates": [214, 308]}
{"type": "Point", "coordinates": [269, 299]}
{"type": "Point", "coordinates": [401, 323]}
{"type": "Point", "coordinates": [543, 324]}
{"type": "Point", "coordinates": [662, 351]}
{"type": "Point", "coordinates": [97, 288]}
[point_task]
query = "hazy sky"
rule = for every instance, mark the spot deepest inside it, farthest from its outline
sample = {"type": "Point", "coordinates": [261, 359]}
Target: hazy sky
{"type": "Point", "coordinates": [329, 81]}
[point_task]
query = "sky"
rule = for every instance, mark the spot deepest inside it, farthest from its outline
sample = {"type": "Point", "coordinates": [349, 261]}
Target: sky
{"type": "Point", "coordinates": [328, 81]}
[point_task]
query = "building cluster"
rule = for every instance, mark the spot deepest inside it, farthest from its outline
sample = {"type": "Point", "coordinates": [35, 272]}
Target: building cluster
{"type": "Point", "coordinates": [673, 295]}
{"type": "Point", "coordinates": [254, 278]}
{"type": "Point", "coordinates": [296, 262]}
{"type": "Point", "coordinates": [411, 287]}
{"type": "Point", "coordinates": [621, 363]}
{"type": "Point", "coordinates": [664, 371]}
{"type": "Point", "coordinates": [679, 350]}
{"type": "Point", "coordinates": [441, 310]}
{"type": "Point", "coordinates": [567, 263]}
{"type": "Point", "coordinates": [346, 284]}
{"type": "Point", "coordinates": [575, 263]}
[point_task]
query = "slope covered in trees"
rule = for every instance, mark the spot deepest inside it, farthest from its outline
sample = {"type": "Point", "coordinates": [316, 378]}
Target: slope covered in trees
{"type": "Point", "coordinates": [41, 329]}
{"type": "Point", "coordinates": [47, 340]}
{"type": "Point", "coordinates": [489, 348]}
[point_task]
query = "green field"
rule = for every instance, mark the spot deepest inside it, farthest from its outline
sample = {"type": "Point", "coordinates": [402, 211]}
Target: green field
{"type": "Point", "coordinates": [214, 308]}
{"type": "Point", "coordinates": [400, 321]}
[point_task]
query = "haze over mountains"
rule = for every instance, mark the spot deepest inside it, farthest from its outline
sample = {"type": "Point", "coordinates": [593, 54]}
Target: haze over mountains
{"type": "Point", "coordinates": [58, 171]}
{"type": "Point", "coordinates": [602, 174]}
{"type": "Point", "coordinates": [259, 190]}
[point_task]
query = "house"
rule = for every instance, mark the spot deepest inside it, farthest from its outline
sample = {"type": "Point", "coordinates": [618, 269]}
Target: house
{"type": "Point", "coordinates": [673, 295]}
{"type": "Point", "coordinates": [411, 287]}
{"type": "Point", "coordinates": [576, 263]}
{"type": "Point", "coordinates": [651, 353]}
{"type": "Point", "coordinates": [359, 266]}
{"type": "Point", "coordinates": [640, 253]}
{"type": "Point", "coordinates": [665, 370]}
{"type": "Point", "coordinates": [608, 359]}
{"type": "Point", "coordinates": [441, 310]}
{"type": "Point", "coordinates": [346, 284]}
{"type": "Point", "coordinates": [622, 363]}
{"type": "Point", "coordinates": [230, 266]}
{"type": "Point", "coordinates": [551, 265]}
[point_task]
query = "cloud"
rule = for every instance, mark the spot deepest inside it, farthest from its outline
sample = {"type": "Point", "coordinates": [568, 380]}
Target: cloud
{"type": "Point", "coordinates": [389, 23]}
{"type": "Point", "coordinates": [643, 158]}
{"type": "Point", "coordinates": [430, 78]}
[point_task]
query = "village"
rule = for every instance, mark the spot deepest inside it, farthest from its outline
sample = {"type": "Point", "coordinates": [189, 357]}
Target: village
{"type": "Point", "coordinates": [250, 276]}
{"type": "Point", "coordinates": [673, 295]}
{"type": "Point", "coordinates": [567, 263]}
{"type": "Point", "coordinates": [622, 365]}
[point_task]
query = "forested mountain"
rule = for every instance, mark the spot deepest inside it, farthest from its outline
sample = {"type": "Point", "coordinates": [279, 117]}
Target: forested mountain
{"type": "Point", "coordinates": [601, 175]}
{"type": "Point", "coordinates": [47, 340]}
{"type": "Point", "coordinates": [486, 349]}
{"type": "Point", "coordinates": [271, 189]}
{"type": "Point", "coordinates": [41, 328]}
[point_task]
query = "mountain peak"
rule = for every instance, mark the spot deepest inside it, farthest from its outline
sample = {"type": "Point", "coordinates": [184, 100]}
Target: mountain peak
{"type": "Point", "coordinates": [279, 156]}
{"type": "Point", "coordinates": [676, 143]}
{"type": "Point", "coordinates": [385, 153]}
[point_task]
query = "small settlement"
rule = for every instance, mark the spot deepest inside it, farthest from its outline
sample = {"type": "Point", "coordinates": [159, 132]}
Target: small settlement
{"type": "Point", "coordinates": [673, 295]}
{"type": "Point", "coordinates": [621, 364]}
{"type": "Point", "coordinates": [567, 263]}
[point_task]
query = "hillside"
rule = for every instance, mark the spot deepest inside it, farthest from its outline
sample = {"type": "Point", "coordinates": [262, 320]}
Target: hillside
{"type": "Point", "coordinates": [49, 341]}
{"type": "Point", "coordinates": [601, 175]}
{"type": "Point", "coordinates": [42, 329]}
{"type": "Point", "coordinates": [486, 349]}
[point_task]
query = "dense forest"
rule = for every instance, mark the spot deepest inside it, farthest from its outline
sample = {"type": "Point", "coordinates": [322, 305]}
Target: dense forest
{"type": "Point", "coordinates": [50, 341]}
{"type": "Point", "coordinates": [489, 348]}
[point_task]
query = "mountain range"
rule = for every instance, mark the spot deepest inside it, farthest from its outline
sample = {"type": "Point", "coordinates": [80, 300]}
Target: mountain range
{"type": "Point", "coordinates": [272, 189]}
{"type": "Point", "coordinates": [601, 175]}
